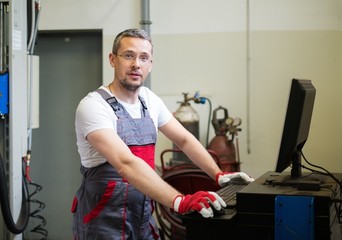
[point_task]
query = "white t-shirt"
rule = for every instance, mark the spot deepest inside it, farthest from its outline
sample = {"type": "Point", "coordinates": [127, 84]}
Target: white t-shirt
{"type": "Point", "coordinates": [94, 113]}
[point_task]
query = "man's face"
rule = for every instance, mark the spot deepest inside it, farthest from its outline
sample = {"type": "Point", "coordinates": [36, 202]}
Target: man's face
{"type": "Point", "coordinates": [132, 63]}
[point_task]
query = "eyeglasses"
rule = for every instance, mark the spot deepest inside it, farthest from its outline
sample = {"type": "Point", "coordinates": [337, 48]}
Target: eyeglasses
{"type": "Point", "coordinates": [130, 56]}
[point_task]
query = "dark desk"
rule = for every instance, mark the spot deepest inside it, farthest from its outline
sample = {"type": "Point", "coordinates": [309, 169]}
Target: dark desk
{"type": "Point", "coordinates": [198, 227]}
{"type": "Point", "coordinates": [255, 215]}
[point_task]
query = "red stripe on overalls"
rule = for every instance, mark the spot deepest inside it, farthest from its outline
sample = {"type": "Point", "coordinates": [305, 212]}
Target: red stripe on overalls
{"type": "Point", "coordinates": [101, 204]}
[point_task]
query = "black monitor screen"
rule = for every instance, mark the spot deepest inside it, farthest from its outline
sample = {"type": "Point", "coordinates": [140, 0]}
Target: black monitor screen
{"type": "Point", "coordinates": [296, 126]}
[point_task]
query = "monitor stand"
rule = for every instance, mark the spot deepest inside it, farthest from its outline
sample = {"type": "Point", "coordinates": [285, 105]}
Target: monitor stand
{"type": "Point", "coordinates": [298, 179]}
{"type": "Point", "coordinates": [306, 181]}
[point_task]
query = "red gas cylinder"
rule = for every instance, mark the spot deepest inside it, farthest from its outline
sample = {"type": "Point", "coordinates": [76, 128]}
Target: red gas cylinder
{"type": "Point", "coordinates": [223, 145]}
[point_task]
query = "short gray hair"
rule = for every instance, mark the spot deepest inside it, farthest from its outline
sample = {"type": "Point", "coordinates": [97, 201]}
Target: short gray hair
{"type": "Point", "coordinates": [133, 33]}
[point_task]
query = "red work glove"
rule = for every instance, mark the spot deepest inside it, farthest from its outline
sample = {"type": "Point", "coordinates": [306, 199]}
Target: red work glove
{"type": "Point", "coordinates": [223, 178]}
{"type": "Point", "coordinates": [200, 201]}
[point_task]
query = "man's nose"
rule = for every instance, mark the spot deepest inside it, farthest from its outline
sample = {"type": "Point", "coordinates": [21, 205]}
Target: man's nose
{"type": "Point", "coordinates": [136, 63]}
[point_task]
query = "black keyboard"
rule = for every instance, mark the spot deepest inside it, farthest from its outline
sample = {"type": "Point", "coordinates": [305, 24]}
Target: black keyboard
{"type": "Point", "coordinates": [228, 193]}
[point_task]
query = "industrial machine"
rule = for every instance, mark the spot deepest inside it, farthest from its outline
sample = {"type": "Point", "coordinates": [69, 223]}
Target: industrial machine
{"type": "Point", "coordinates": [19, 96]}
{"type": "Point", "coordinates": [223, 147]}
{"type": "Point", "coordinates": [225, 144]}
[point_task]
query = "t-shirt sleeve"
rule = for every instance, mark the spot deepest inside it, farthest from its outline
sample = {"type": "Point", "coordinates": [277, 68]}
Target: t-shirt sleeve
{"type": "Point", "coordinates": [164, 115]}
{"type": "Point", "coordinates": [93, 114]}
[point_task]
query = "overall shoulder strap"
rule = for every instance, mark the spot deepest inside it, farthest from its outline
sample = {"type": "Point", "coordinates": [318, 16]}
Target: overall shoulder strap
{"type": "Point", "coordinates": [109, 99]}
{"type": "Point", "coordinates": [103, 93]}
{"type": "Point", "coordinates": [144, 111]}
{"type": "Point", "coordinates": [113, 102]}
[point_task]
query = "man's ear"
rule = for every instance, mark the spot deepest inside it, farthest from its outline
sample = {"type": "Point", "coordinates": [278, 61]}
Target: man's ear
{"type": "Point", "coordinates": [111, 59]}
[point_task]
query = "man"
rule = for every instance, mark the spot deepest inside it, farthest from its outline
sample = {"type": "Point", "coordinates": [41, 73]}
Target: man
{"type": "Point", "coordinates": [116, 128]}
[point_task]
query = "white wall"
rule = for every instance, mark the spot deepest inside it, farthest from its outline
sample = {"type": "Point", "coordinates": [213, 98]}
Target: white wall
{"type": "Point", "coordinates": [204, 45]}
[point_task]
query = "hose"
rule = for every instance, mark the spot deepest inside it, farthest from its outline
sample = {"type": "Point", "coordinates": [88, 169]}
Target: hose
{"type": "Point", "coordinates": [39, 228]}
{"type": "Point", "coordinates": [198, 99]}
{"type": "Point", "coordinates": [23, 219]}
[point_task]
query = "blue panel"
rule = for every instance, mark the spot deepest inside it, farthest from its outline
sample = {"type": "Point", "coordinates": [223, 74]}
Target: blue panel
{"type": "Point", "coordinates": [294, 217]}
{"type": "Point", "coordinates": [4, 93]}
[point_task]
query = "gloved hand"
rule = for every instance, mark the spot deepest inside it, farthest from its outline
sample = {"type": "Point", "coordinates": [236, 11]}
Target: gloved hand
{"type": "Point", "coordinates": [223, 178]}
{"type": "Point", "coordinates": [200, 201]}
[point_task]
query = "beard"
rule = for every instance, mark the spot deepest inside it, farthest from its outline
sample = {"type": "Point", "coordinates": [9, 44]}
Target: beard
{"type": "Point", "coordinates": [130, 86]}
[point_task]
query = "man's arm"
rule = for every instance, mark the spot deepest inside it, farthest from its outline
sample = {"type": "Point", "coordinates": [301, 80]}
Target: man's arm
{"type": "Point", "coordinates": [134, 169]}
{"type": "Point", "coordinates": [190, 146]}
{"type": "Point", "coordinates": [198, 154]}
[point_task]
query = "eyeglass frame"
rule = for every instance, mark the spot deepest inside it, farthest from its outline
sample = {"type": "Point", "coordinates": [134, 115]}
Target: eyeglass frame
{"type": "Point", "coordinates": [134, 56]}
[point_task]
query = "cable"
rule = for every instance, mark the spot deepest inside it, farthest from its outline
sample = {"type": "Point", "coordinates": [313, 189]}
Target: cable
{"type": "Point", "coordinates": [41, 206]}
{"type": "Point", "coordinates": [337, 201]}
{"type": "Point", "coordinates": [198, 99]}
{"type": "Point", "coordinates": [20, 226]}
{"type": "Point", "coordinates": [36, 213]}
{"type": "Point", "coordinates": [326, 172]}
{"type": "Point", "coordinates": [248, 77]}
{"type": "Point", "coordinates": [36, 7]}
{"type": "Point", "coordinates": [33, 23]}
{"type": "Point", "coordinates": [208, 127]}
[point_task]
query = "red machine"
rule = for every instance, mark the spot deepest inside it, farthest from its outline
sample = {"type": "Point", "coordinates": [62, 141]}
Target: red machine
{"type": "Point", "coordinates": [223, 144]}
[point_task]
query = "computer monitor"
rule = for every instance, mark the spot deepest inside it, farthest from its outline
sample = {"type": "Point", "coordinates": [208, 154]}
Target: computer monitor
{"type": "Point", "coordinates": [296, 127]}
